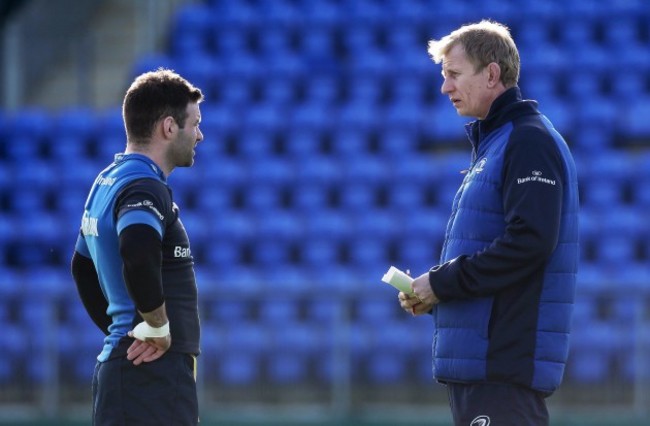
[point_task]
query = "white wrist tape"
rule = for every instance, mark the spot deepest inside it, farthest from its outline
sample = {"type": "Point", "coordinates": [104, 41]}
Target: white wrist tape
{"type": "Point", "coordinates": [143, 331]}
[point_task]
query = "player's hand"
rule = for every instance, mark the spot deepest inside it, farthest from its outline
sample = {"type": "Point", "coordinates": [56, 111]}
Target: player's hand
{"type": "Point", "coordinates": [148, 350]}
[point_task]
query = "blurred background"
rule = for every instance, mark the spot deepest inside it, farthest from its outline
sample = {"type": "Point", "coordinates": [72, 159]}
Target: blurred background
{"type": "Point", "coordinates": [329, 155]}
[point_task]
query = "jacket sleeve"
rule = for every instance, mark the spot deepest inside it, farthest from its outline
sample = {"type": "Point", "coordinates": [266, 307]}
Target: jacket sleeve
{"type": "Point", "coordinates": [532, 201]}
{"type": "Point", "coordinates": [85, 277]}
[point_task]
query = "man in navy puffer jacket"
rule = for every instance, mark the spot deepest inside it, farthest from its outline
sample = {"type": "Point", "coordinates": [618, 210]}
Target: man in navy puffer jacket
{"type": "Point", "coordinates": [502, 296]}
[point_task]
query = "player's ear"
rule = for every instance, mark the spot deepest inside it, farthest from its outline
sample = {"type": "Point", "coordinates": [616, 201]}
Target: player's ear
{"type": "Point", "coordinates": [168, 126]}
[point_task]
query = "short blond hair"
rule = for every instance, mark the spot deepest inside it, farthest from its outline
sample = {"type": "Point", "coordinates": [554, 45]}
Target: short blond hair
{"type": "Point", "coordinates": [484, 42]}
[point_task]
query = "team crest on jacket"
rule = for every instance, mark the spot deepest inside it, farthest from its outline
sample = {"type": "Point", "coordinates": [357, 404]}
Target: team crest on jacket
{"type": "Point", "coordinates": [481, 421]}
{"type": "Point", "coordinates": [480, 165]}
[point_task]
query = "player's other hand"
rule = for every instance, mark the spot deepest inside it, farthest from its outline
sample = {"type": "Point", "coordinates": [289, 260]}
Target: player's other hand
{"type": "Point", "coordinates": [148, 350]}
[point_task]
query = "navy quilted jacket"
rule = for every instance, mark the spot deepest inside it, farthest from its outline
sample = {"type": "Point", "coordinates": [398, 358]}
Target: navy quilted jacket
{"type": "Point", "coordinates": [508, 265]}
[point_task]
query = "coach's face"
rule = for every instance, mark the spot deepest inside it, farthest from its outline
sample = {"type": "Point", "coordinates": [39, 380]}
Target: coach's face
{"type": "Point", "coordinates": [181, 152]}
{"type": "Point", "coordinates": [466, 88]}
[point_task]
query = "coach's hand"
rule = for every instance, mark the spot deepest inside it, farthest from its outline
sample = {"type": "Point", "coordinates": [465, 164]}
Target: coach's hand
{"type": "Point", "coordinates": [422, 299]}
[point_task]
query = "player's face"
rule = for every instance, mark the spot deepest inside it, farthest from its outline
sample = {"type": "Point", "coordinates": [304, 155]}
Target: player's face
{"type": "Point", "coordinates": [182, 149]}
{"type": "Point", "coordinates": [465, 87]}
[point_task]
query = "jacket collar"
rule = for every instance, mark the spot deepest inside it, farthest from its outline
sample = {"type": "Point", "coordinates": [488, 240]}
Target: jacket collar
{"type": "Point", "coordinates": [508, 106]}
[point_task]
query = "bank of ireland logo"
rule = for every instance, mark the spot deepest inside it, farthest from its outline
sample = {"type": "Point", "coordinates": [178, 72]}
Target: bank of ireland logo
{"type": "Point", "coordinates": [481, 421]}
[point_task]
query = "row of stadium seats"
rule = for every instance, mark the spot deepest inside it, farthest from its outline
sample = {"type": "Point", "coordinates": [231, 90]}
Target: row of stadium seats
{"type": "Point", "coordinates": [328, 146]}
{"type": "Point", "coordinates": [274, 342]}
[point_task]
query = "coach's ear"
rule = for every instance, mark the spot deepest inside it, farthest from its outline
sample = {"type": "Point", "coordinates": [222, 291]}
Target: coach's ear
{"type": "Point", "coordinates": [493, 74]}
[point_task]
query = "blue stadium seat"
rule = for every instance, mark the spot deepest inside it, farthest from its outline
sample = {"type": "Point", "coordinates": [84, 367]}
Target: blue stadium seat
{"type": "Point", "coordinates": [447, 127]}
{"type": "Point", "coordinates": [594, 277]}
{"type": "Point", "coordinates": [302, 143]}
{"type": "Point", "coordinates": [268, 253]}
{"type": "Point", "coordinates": [559, 112]}
{"type": "Point", "coordinates": [634, 276]}
{"type": "Point", "coordinates": [45, 283]}
{"type": "Point", "coordinates": [616, 249]}
{"type": "Point", "coordinates": [419, 253]}
{"type": "Point", "coordinates": [358, 197]}
{"type": "Point", "coordinates": [350, 143]}
{"type": "Point", "coordinates": [358, 114]}
{"type": "Point", "coordinates": [235, 226]}
{"type": "Point", "coordinates": [276, 171]}
{"type": "Point", "coordinates": [233, 95]}
{"type": "Point", "coordinates": [153, 61]}
{"type": "Point", "coordinates": [387, 368]}
{"type": "Point", "coordinates": [106, 146]}
{"type": "Point", "coordinates": [311, 115]}
{"type": "Point", "coordinates": [633, 57]}
{"type": "Point", "coordinates": [329, 224]}
{"type": "Point", "coordinates": [532, 33]}
{"type": "Point", "coordinates": [276, 312]}
{"type": "Point", "coordinates": [377, 311]}
{"type": "Point", "coordinates": [224, 311]}
{"type": "Point", "coordinates": [264, 117]}
{"type": "Point", "coordinates": [598, 135]}
{"type": "Point", "coordinates": [288, 278]}
{"type": "Point", "coordinates": [31, 123]}
{"type": "Point", "coordinates": [226, 174]}
{"type": "Point", "coordinates": [590, 353]}
{"type": "Point", "coordinates": [584, 84]}
{"type": "Point", "coordinates": [324, 311]}
{"type": "Point", "coordinates": [262, 197]}
{"type": "Point", "coordinates": [241, 65]}
{"type": "Point", "coordinates": [295, 336]}
{"type": "Point", "coordinates": [286, 367]}
{"type": "Point", "coordinates": [214, 200]}
{"type": "Point", "coordinates": [279, 91]}
{"type": "Point", "coordinates": [630, 124]}
{"type": "Point", "coordinates": [360, 341]}
{"type": "Point", "coordinates": [83, 174]}
{"type": "Point", "coordinates": [320, 252]}
{"type": "Point", "coordinates": [366, 169]}
{"type": "Point", "coordinates": [237, 367]}
{"type": "Point", "coordinates": [621, 32]}
{"type": "Point", "coordinates": [308, 198]}
{"type": "Point", "coordinates": [191, 29]}
{"type": "Point", "coordinates": [28, 199]}
{"type": "Point", "coordinates": [364, 91]}
{"type": "Point", "coordinates": [221, 256]}
{"type": "Point", "coordinates": [602, 193]}
{"type": "Point", "coordinates": [22, 147]}
{"type": "Point", "coordinates": [403, 115]}
{"type": "Point", "coordinates": [402, 196]}
{"type": "Point", "coordinates": [286, 65]}
{"type": "Point", "coordinates": [321, 13]}
{"type": "Point", "coordinates": [576, 33]}
{"type": "Point", "coordinates": [247, 338]}
{"type": "Point", "coordinates": [624, 221]}
{"type": "Point", "coordinates": [630, 85]}
{"type": "Point", "coordinates": [547, 56]}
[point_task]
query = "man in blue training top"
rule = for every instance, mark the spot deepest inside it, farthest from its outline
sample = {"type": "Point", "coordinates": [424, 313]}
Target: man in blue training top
{"type": "Point", "coordinates": [502, 296]}
{"type": "Point", "coordinates": [133, 265]}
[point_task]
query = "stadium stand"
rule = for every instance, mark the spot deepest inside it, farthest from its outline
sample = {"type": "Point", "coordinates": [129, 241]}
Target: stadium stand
{"type": "Point", "coordinates": [327, 147]}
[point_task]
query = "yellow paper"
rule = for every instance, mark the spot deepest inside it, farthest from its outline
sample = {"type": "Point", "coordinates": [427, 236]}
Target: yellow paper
{"type": "Point", "coordinates": [398, 279]}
